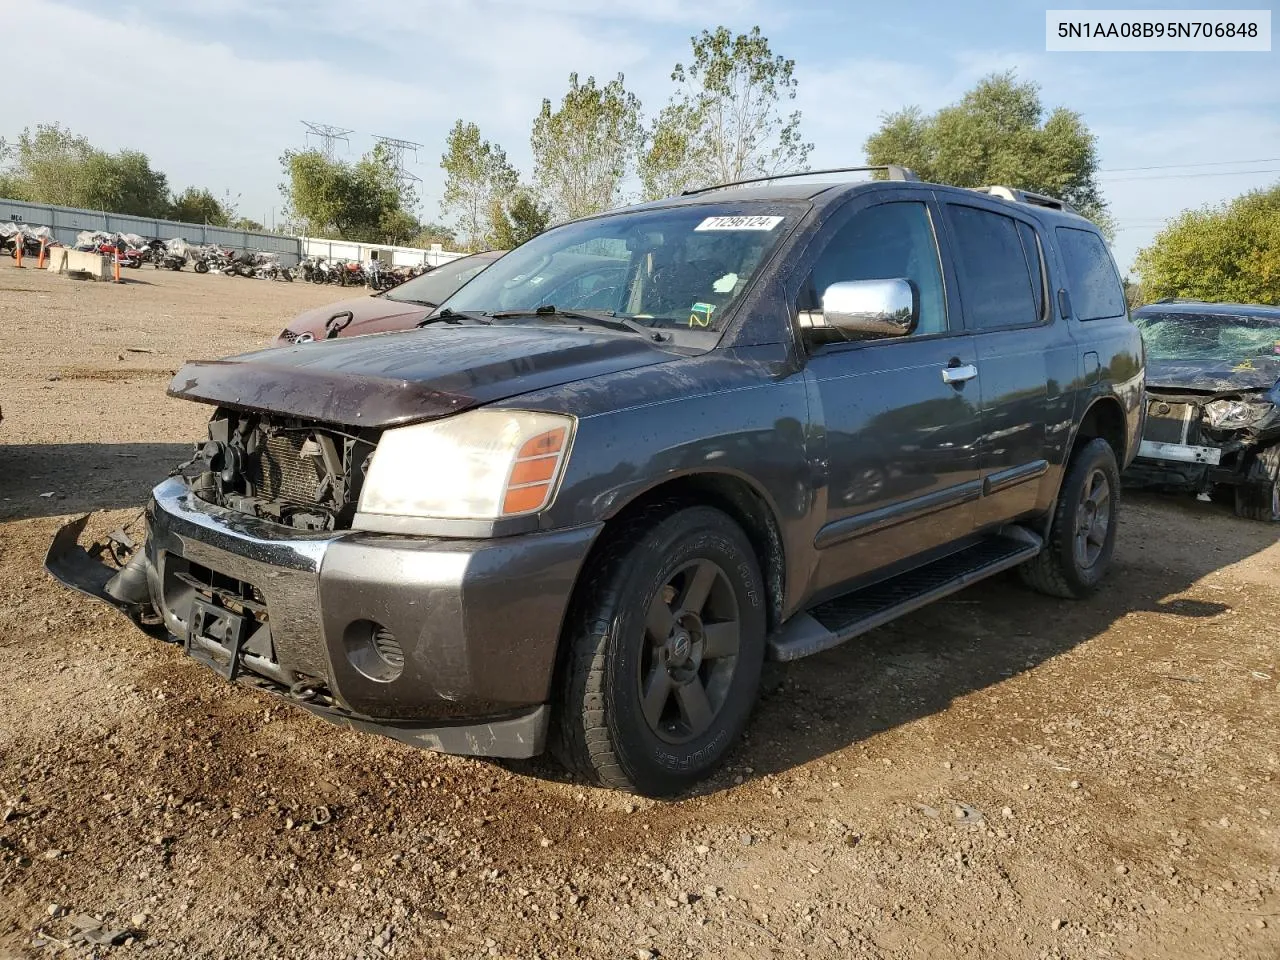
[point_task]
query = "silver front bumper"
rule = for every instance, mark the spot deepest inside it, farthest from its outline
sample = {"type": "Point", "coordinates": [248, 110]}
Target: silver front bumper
{"type": "Point", "coordinates": [478, 620]}
{"type": "Point", "coordinates": [285, 568]}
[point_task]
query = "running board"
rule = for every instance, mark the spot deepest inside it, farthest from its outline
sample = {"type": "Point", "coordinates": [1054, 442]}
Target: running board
{"type": "Point", "coordinates": [831, 623]}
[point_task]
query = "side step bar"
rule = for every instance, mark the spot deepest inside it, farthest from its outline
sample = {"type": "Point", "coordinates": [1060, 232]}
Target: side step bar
{"type": "Point", "coordinates": [831, 623]}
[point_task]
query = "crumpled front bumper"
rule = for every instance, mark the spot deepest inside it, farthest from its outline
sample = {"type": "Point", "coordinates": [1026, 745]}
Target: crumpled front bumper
{"type": "Point", "coordinates": [477, 621]}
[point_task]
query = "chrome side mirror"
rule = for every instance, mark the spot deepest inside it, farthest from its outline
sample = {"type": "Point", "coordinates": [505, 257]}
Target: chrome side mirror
{"type": "Point", "coordinates": [867, 308]}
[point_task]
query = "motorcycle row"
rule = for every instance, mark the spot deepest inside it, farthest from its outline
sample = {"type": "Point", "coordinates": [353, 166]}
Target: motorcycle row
{"type": "Point", "coordinates": [175, 254]}
{"type": "Point", "coordinates": [353, 273]}
{"type": "Point", "coordinates": [133, 251]}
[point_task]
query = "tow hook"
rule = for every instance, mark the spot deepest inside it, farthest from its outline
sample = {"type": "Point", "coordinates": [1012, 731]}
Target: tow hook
{"type": "Point", "coordinates": [306, 690]}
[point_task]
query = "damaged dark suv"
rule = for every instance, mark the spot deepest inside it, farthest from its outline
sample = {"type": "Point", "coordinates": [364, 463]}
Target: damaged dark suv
{"type": "Point", "coordinates": [778, 417]}
{"type": "Point", "coordinates": [1213, 411]}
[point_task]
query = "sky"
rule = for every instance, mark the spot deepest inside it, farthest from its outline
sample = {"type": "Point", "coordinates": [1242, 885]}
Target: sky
{"type": "Point", "coordinates": [215, 92]}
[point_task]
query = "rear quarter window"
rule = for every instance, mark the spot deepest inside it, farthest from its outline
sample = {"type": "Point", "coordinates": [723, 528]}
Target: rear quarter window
{"type": "Point", "coordinates": [1094, 285]}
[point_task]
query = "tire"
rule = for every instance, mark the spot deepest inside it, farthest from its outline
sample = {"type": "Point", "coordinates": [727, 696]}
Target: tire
{"type": "Point", "coordinates": [201, 267]}
{"type": "Point", "coordinates": [1258, 498]}
{"type": "Point", "coordinates": [699, 701]}
{"type": "Point", "coordinates": [1078, 553]}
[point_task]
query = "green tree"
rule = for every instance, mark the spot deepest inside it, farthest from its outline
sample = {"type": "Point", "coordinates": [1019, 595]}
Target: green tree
{"type": "Point", "coordinates": [124, 182]}
{"type": "Point", "coordinates": [364, 201]}
{"type": "Point", "coordinates": [1228, 253]}
{"type": "Point", "coordinates": [196, 205]}
{"type": "Point", "coordinates": [583, 151]}
{"type": "Point", "coordinates": [997, 133]}
{"type": "Point", "coordinates": [519, 219]}
{"type": "Point", "coordinates": [429, 233]}
{"type": "Point", "coordinates": [726, 121]}
{"type": "Point", "coordinates": [53, 165]}
{"type": "Point", "coordinates": [476, 173]}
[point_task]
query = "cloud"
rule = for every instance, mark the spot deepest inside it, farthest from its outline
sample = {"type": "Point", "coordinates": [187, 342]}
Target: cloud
{"type": "Point", "coordinates": [215, 92]}
{"type": "Point", "coordinates": [210, 114]}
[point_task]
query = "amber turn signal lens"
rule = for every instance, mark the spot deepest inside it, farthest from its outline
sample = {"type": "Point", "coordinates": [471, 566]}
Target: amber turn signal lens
{"type": "Point", "coordinates": [524, 499]}
{"type": "Point", "coordinates": [534, 471]}
{"type": "Point", "coordinates": [540, 446]}
{"type": "Point", "coordinates": [539, 470]}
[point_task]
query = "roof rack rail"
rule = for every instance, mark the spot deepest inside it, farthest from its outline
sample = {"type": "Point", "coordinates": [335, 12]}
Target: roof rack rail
{"type": "Point", "coordinates": [1026, 196]}
{"type": "Point", "coordinates": [895, 172]}
{"type": "Point", "coordinates": [1180, 300]}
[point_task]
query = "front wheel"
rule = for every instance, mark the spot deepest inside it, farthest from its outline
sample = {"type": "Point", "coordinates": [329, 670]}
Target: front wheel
{"type": "Point", "coordinates": [1082, 536]}
{"type": "Point", "coordinates": [664, 648]}
{"type": "Point", "coordinates": [1258, 498]}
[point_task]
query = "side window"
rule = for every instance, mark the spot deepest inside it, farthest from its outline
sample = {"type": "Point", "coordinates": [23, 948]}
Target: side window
{"type": "Point", "coordinates": [886, 242]}
{"type": "Point", "coordinates": [1035, 260]}
{"type": "Point", "coordinates": [998, 283]}
{"type": "Point", "coordinates": [1094, 285]}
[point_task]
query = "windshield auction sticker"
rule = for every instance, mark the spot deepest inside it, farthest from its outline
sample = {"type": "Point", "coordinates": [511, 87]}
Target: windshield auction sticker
{"type": "Point", "coordinates": [1123, 31]}
{"type": "Point", "coordinates": [739, 223]}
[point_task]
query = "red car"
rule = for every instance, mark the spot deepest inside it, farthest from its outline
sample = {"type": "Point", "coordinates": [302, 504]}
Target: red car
{"type": "Point", "coordinates": [399, 308]}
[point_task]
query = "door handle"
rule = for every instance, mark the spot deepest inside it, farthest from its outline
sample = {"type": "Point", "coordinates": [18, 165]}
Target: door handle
{"type": "Point", "coordinates": [959, 374]}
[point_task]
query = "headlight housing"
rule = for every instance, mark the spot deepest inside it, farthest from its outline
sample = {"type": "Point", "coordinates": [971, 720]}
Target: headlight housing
{"type": "Point", "coordinates": [479, 465]}
{"type": "Point", "coordinates": [1232, 414]}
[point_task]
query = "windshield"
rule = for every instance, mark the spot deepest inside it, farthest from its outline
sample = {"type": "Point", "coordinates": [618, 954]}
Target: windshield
{"type": "Point", "coordinates": [437, 286]}
{"type": "Point", "coordinates": [1196, 336]}
{"type": "Point", "coordinates": [671, 267]}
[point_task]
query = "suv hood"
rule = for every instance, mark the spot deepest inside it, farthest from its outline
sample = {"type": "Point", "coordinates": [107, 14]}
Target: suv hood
{"type": "Point", "coordinates": [384, 381]}
{"type": "Point", "coordinates": [1213, 376]}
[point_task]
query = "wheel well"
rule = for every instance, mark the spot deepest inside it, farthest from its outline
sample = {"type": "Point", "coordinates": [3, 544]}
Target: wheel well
{"type": "Point", "coordinates": [1105, 419]}
{"type": "Point", "coordinates": [740, 501]}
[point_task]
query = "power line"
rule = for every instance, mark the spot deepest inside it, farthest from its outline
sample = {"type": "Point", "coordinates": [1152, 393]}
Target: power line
{"type": "Point", "coordinates": [328, 135]}
{"type": "Point", "coordinates": [1186, 176]}
{"type": "Point", "coordinates": [1178, 166]}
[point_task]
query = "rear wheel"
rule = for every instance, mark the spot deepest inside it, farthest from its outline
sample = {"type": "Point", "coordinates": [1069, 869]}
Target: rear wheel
{"type": "Point", "coordinates": [1258, 498]}
{"type": "Point", "coordinates": [664, 649]}
{"type": "Point", "coordinates": [1083, 533]}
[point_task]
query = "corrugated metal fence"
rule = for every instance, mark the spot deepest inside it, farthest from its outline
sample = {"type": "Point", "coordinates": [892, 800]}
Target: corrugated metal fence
{"type": "Point", "coordinates": [66, 222]}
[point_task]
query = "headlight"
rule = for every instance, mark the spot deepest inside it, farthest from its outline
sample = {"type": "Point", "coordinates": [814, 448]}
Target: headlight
{"type": "Point", "coordinates": [481, 465]}
{"type": "Point", "coordinates": [1230, 414]}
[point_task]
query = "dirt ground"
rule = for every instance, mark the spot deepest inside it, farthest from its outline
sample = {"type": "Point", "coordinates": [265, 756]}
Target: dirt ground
{"type": "Point", "coordinates": [1001, 775]}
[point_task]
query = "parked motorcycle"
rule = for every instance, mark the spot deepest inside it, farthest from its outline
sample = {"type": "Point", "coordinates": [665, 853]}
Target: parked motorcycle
{"type": "Point", "coordinates": [167, 255]}
{"type": "Point", "coordinates": [322, 271]}
{"type": "Point", "coordinates": [305, 270]}
{"type": "Point", "coordinates": [30, 244]}
{"type": "Point", "coordinates": [380, 277]}
{"type": "Point", "coordinates": [212, 260]}
{"type": "Point", "coordinates": [352, 275]}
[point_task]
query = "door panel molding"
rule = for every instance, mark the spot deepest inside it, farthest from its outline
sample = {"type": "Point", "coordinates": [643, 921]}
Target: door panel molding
{"type": "Point", "coordinates": [905, 511]}
{"type": "Point", "coordinates": [1004, 479]}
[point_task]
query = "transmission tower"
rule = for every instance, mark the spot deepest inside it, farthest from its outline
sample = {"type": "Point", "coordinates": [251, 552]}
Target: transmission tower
{"type": "Point", "coordinates": [398, 148]}
{"type": "Point", "coordinates": [328, 136]}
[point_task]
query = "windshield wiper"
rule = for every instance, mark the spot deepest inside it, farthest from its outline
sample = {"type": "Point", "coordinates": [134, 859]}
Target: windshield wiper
{"type": "Point", "coordinates": [449, 315]}
{"type": "Point", "coordinates": [602, 318]}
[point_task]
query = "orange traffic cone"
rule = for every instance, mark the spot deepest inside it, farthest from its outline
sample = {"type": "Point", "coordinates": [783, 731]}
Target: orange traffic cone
{"type": "Point", "coordinates": [40, 262]}
{"type": "Point", "coordinates": [116, 260]}
{"type": "Point", "coordinates": [17, 249]}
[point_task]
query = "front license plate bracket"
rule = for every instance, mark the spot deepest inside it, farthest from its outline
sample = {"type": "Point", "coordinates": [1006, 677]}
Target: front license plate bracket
{"type": "Point", "coordinates": [214, 632]}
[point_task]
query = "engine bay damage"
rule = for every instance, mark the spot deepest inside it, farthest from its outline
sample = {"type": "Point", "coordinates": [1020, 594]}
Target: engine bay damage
{"type": "Point", "coordinates": [1196, 440]}
{"type": "Point", "coordinates": [292, 472]}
